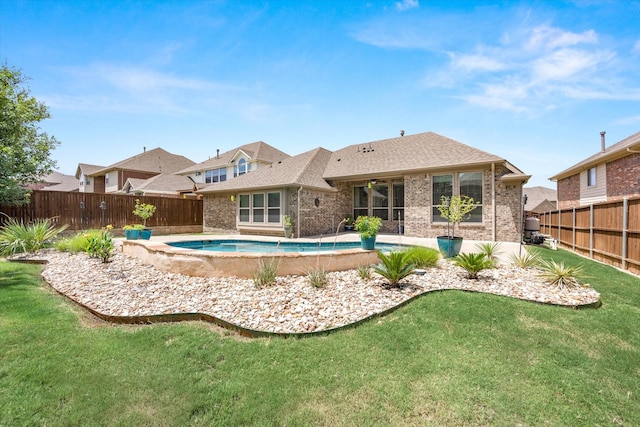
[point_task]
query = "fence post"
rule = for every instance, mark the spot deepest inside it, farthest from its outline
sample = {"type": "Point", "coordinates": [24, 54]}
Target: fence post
{"type": "Point", "coordinates": [573, 234]}
{"type": "Point", "coordinates": [625, 226]}
{"type": "Point", "coordinates": [559, 226]}
{"type": "Point", "coordinates": [591, 221]}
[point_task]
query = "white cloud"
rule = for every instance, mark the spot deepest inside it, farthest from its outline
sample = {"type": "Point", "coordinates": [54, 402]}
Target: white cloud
{"type": "Point", "coordinates": [406, 5]}
{"type": "Point", "coordinates": [476, 62]}
{"type": "Point", "coordinates": [636, 47]}
{"type": "Point", "coordinates": [565, 63]}
{"type": "Point", "coordinates": [546, 37]}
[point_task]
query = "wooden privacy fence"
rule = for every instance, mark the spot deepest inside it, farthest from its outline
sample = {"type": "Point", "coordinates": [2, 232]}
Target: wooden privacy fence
{"type": "Point", "coordinates": [608, 232]}
{"type": "Point", "coordinates": [85, 210]}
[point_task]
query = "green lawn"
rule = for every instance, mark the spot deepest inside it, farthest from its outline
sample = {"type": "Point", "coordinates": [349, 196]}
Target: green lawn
{"type": "Point", "coordinates": [448, 358]}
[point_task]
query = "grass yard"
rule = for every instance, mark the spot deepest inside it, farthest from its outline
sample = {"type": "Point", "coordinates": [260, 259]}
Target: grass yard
{"type": "Point", "coordinates": [449, 358]}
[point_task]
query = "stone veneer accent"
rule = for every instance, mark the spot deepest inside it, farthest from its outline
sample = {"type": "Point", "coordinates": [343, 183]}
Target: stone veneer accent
{"type": "Point", "coordinates": [219, 212]}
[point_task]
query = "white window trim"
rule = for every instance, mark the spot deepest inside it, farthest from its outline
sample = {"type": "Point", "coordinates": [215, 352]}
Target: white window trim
{"type": "Point", "coordinates": [266, 208]}
{"type": "Point", "coordinates": [455, 178]}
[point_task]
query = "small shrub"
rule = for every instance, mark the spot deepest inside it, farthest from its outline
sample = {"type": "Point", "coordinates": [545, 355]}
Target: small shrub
{"type": "Point", "coordinates": [144, 211]}
{"type": "Point", "coordinates": [76, 243]}
{"type": "Point", "coordinates": [491, 251]}
{"type": "Point", "coordinates": [266, 273]}
{"type": "Point", "coordinates": [101, 245]}
{"type": "Point", "coordinates": [423, 257]}
{"type": "Point", "coordinates": [318, 277]}
{"type": "Point", "coordinates": [561, 275]}
{"type": "Point", "coordinates": [472, 263]}
{"type": "Point", "coordinates": [364, 271]}
{"type": "Point", "coordinates": [527, 259]}
{"type": "Point", "coordinates": [16, 237]}
{"type": "Point", "coordinates": [395, 266]}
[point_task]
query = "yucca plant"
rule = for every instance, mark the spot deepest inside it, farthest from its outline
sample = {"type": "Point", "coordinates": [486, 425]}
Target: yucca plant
{"type": "Point", "coordinates": [490, 250]}
{"type": "Point", "coordinates": [527, 259]}
{"type": "Point", "coordinates": [423, 257]}
{"type": "Point", "coordinates": [266, 273]}
{"type": "Point", "coordinates": [16, 237]}
{"type": "Point", "coordinates": [561, 275]}
{"type": "Point", "coordinates": [395, 266]}
{"type": "Point", "coordinates": [472, 263]}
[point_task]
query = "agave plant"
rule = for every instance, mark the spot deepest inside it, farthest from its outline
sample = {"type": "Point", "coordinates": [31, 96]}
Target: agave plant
{"type": "Point", "coordinates": [561, 275]}
{"type": "Point", "coordinates": [395, 266]}
{"type": "Point", "coordinates": [490, 250]}
{"type": "Point", "coordinates": [16, 237]}
{"type": "Point", "coordinates": [473, 263]}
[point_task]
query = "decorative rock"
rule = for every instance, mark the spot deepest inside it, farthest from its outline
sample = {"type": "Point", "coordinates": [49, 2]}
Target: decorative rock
{"type": "Point", "coordinates": [127, 287]}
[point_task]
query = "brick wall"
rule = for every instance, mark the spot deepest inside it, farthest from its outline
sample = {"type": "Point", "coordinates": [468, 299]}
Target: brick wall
{"type": "Point", "coordinates": [319, 213]}
{"type": "Point", "coordinates": [623, 177]}
{"type": "Point", "coordinates": [508, 209]}
{"type": "Point", "coordinates": [569, 192]}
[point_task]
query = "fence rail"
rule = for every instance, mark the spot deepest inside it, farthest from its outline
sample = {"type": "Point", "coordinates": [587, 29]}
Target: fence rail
{"type": "Point", "coordinates": [608, 232]}
{"type": "Point", "coordinates": [85, 210]}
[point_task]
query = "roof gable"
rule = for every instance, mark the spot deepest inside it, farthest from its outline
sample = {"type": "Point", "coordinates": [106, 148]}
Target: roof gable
{"type": "Point", "coordinates": [156, 160]}
{"type": "Point", "coordinates": [421, 151]}
{"type": "Point", "coordinates": [258, 151]}
{"type": "Point", "coordinates": [302, 170]}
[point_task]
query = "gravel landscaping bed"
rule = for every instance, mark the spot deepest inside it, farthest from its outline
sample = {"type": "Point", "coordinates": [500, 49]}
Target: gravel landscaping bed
{"type": "Point", "coordinates": [127, 287]}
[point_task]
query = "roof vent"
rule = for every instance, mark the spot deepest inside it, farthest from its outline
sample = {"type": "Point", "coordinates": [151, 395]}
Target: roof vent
{"type": "Point", "coordinates": [602, 145]}
{"type": "Point", "coordinates": [217, 153]}
{"type": "Point", "coordinates": [402, 132]}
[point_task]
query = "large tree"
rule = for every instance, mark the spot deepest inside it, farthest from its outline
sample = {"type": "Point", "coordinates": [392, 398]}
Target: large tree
{"type": "Point", "coordinates": [24, 148]}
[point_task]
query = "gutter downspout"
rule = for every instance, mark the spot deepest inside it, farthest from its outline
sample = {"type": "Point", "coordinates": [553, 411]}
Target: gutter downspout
{"type": "Point", "coordinates": [298, 213]}
{"type": "Point", "coordinates": [493, 201]}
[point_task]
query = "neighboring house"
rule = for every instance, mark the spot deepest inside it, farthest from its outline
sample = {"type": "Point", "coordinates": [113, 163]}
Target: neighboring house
{"type": "Point", "coordinates": [234, 163]}
{"type": "Point", "coordinates": [111, 179]}
{"type": "Point", "coordinates": [166, 185]}
{"type": "Point", "coordinates": [400, 180]}
{"type": "Point", "coordinates": [539, 200]}
{"type": "Point", "coordinates": [610, 175]}
{"type": "Point", "coordinates": [85, 181]}
{"type": "Point", "coordinates": [56, 181]}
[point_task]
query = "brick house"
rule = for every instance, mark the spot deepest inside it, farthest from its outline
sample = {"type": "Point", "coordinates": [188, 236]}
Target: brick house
{"type": "Point", "coordinates": [610, 175]}
{"type": "Point", "coordinates": [399, 180]}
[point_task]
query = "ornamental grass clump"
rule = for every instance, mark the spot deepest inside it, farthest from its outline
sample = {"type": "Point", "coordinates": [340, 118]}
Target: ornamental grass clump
{"type": "Point", "coordinates": [266, 273]}
{"type": "Point", "coordinates": [472, 263]}
{"type": "Point", "coordinates": [16, 237]}
{"type": "Point", "coordinates": [561, 275]}
{"type": "Point", "coordinates": [318, 277]}
{"type": "Point", "coordinates": [395, 266]}
{"type": "Point", "coordinates": [423, 257]}
{"type": "Point", "coordinates": [364, 271]}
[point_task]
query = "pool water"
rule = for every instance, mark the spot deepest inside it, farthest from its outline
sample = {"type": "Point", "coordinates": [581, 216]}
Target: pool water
{"type": "Point", "coordinates": [269, 247]}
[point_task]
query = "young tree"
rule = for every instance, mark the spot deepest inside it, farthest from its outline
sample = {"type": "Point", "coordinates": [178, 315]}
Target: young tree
{"type": "Point", "coordinates": [24, 147]}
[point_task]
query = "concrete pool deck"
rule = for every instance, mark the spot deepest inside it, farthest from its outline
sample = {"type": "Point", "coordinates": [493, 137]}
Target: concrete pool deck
{"type": "Point", "coordinates": [192, 262]}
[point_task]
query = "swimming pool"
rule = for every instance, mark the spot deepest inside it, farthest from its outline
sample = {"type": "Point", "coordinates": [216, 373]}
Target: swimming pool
{"type": "Point", "coordinates": [226, 257]}
{"type": "Point", "coordinates": [274, 247]}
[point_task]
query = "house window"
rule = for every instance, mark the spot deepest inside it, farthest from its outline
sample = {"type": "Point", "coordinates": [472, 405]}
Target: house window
{"type": "Point", "coordinates": [244, 205]}
{"type": "Point", "coordinates": [471, 185]}
{"type": "Point", "coordinates": [360, 201]}
{"type": "Point", "coordinates": [215, 175]}
{"type": "Point", "coordinates": [591, 177]}
{"type": "Point", "coordinates": [241, 168]}
{"type": "Point", "coordinates": [442, 185]}
{"type": "Point", "coordinates": [88, 181]}
{"type": "Point", "coordinates": [380, 202]}
{"type": "Point", "coordinates": [398, 201]}
{"type": "Point", "coordinates": [252, 208]}
{"type": "Point", "coordinates": [106, 178]}
{"type": "Point", "coordinates": [273, 207]}
{"type": "Point", "coordinates": [468, 184]}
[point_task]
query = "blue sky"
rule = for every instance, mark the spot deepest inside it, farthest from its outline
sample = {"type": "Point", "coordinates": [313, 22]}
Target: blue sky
{"type": "Point", "coordinates": [533, 82]}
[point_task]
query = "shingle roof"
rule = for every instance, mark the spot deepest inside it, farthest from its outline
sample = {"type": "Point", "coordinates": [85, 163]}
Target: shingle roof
{"type": "Point", "coordinates": [613, 152]}
{"type": "Point", "coordinates": [86, 169]}
{"type": "Point", "coordinates": [61, 182]}
{"type": "Point", "coordinates": [302, 170]}
{"type": "Point", "coordinates": [260, 151]}
{"type": "Point", "coordinates": [156, 160]}
{"type": "Point", "coordinates": [539, 198]}
{"type": "Point", "coordinates": [164, 182]}
{"type": "Point", "coordinates": [421, 151]}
